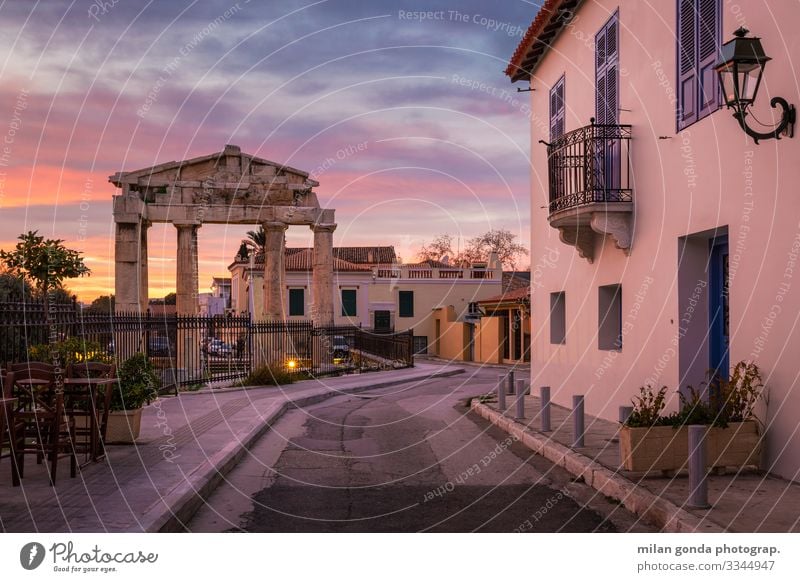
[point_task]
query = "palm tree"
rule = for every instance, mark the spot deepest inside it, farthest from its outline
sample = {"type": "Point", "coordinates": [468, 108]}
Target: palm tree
{"type": "Point", "coordinates": [258, 238]}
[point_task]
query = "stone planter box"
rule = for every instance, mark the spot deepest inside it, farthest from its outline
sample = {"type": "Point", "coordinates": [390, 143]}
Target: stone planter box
{"type": "Point", "coordinates": [664, 448]}
{"type": "Point", "coordinates": [124, 426]}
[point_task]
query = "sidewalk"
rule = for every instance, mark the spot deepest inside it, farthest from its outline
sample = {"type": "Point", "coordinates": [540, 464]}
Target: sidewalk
{"type": "Point", "coordinates": [745, 502]}
{"type": "Point", "coordinates": [187, 445]}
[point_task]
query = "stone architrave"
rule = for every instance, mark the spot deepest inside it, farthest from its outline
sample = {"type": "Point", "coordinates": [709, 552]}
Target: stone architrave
{"type": "Point", "coordinates": [274, 247]}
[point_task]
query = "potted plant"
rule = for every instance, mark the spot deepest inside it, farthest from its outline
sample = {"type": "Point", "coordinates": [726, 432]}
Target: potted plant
{"type": "Point", "coordinates": [651, 441]}
{"type": "Point", "coordinates": [138, 385]}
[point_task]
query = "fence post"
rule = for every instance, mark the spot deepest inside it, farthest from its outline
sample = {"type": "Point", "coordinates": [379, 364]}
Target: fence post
{"type": "Point", "coordinates": [510, 385]}
{"type": "Point", "coordinates": [577, 421]}
{"type": "Point", "coordinates": [520, 409]}
{"type": "Point", "coordinates": [544, 400]}
{"type": "Point", "coordinates": [501, 393]}
{"type": "Point", "coordinates": [698, 482]}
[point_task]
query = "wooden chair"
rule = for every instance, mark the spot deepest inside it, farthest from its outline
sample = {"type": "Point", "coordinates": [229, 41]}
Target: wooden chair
{"type": "Point", "coordinates": [47, 430]}
{"type": "Point", "coordinates": [81, 402]}
{"type": "Point", "coordinates": [11, 430]}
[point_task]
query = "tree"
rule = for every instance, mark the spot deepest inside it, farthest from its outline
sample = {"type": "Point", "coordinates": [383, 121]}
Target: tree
{"type": "Point", "coordinates": [44, 262]}
{"type": "Point", "coordinates": [103, 304]}
{"type": "Point", "coordinates": [13, 287]}
{"type": "Point", "coordinates": [500, 241]}
{"type": "Point", "coordinates": [170, 299]}
{"type": "Point", "coordinates": [437, 249]}
{"type": "Point", "coordinates": [258, 238]}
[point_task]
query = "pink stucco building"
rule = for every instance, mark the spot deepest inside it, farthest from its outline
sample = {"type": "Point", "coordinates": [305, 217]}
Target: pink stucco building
{"type": "Point", "coordinates": [677, 235]}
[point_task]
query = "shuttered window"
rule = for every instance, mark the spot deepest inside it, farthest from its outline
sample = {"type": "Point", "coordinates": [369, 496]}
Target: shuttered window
{"type": "Point", "coordinates": [699, 36]}
{"type": "Point", "coordinates": [297, 302]}
{"type": "Point", "coordinates": [349, 302]}
{"type": "Point", "coordinates": [557, 110]}
{"type": "Point", "coordinates": [607, 73]}
{"type": "Point", "coordinates": [406, 303]}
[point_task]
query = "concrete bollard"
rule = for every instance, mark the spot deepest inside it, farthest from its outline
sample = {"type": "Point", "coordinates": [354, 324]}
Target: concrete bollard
{"type": "Point", "coordinates": [698, 482]}
{"type": "Point", "coordinates": [544, 398]}
{"type": "Point", "coordinates": [624, 414]}
{"type": "Point", "coordinates": [520, 414]}
{"type": "Point", "coordinates": [510, 382]}
{"type": "Point", "coordinates": [501, 394]}
{"type": "Point", "coordinates": [577, 421]}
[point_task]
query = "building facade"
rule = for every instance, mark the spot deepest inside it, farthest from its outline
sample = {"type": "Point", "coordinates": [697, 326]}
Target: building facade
{"type": "Point", "coordinates": [671, 237]}
{"type": "Point", "coordinates": [372, 290]}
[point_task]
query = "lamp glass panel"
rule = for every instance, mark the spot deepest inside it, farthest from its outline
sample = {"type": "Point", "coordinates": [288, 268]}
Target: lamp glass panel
{"type": "Point", "coordinates": [727, 78]}
{"type": "Point", "coordinates": [749, 76]}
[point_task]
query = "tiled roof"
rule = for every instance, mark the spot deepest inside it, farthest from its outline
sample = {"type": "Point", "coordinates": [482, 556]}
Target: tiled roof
{"type": "Point", "coordinates": [432, 264]}
{"type": "Point", "coordinates": [345, 257]}
{"type": "Point", "coordinates": [302, 260]}
{"type": "Point", "coordinates": [515, 295]}
{"type": "Point", "coordinates": [549, 21]}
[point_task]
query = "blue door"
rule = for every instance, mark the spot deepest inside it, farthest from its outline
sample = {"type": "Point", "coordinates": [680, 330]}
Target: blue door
{"type": "Point", "coordinates": [718, 310]}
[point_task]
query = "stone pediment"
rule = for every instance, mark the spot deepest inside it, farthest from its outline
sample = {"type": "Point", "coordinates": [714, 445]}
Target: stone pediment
{"type": "Point", "coordinates": [228, 178]}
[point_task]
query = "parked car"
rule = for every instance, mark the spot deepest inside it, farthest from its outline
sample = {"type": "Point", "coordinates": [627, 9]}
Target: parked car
{"type": "Point", "coordinates": [158, 346]}
{"type": "Point", "coordinates": [340, 347]}
{"type": "Point", "coordinates": [217, 347]}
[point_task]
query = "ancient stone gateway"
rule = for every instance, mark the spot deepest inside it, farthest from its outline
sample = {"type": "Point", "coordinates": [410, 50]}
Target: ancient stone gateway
{"type": "Point", "coordinates": [227, 187]}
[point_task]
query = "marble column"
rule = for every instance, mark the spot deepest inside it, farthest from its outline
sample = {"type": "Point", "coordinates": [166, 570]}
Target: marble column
{"type": "Point", "coordinates": [274, 247]}
{"type": "Point", "coordinates": [322, 276]}
{"type": "Point", "coordinates": [127, 267]}
{"type": "Point", "coordinates": [186, 279]}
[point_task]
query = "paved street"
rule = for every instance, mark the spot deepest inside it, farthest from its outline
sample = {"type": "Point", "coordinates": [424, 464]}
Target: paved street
{"type": "Point", "coordinates": [404, 458]}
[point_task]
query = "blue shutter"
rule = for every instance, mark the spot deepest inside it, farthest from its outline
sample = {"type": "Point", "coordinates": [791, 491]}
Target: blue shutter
{"type": "Point", "coordinates": [557, 110]}
{"type": "Point", "coordinates": [687, 60]}
{"type": "Point", "coordinates": [708, 45]}
{"type": "Point", "coordinates": [600, 77]}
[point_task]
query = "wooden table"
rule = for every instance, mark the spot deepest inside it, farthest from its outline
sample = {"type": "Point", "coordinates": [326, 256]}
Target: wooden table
{"type": "Point", "coordinates": [94, 385]}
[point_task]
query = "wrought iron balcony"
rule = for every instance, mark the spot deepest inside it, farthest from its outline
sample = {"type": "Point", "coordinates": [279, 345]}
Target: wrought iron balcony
{"type": "Point", "coordinates": [590, 186]}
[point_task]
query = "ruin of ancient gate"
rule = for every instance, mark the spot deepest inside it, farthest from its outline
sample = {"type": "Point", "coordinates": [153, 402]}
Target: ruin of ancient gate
{"type": "Point", "coordinates": [227, 187]}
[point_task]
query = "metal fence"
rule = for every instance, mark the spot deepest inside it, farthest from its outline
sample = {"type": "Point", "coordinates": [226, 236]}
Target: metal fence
{"type": "Point", "coordinates": [193, 350]}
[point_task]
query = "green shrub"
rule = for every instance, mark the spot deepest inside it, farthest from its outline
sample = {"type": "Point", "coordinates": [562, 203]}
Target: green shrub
{"type": "Point", "coordinates": [70, 351]}
{"type": "Point", "coordinates": [647, 407]}
{"type": "Point", "coordinates": [138, 384]}
{"type": "Point", "coordinates": [268, 376]}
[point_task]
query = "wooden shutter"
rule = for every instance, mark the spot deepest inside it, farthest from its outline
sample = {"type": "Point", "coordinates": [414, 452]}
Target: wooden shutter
{"type": "Point", "coordinates": [557, 110]}
{"type": "Point", "coordinates": [607, 73]}
{"type": "Point", "coordinates": [708, 41]}
{"type": "Point", "coordinates": [687, 60]}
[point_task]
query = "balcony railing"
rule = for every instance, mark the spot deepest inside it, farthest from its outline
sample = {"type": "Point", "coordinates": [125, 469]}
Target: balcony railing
{"type": "Point", "coordinates": [590, 165]}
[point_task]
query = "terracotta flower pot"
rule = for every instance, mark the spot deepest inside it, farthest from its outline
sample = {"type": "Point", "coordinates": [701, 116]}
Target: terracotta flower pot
{"type": "Point", "coordinates": [123, 426]}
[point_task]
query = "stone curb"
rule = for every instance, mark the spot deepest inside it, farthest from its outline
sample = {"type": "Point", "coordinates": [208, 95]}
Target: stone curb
{"type": "Point", "coordinates": [178, 505]}
{"type": "Point", "coordinates": [647, 505]}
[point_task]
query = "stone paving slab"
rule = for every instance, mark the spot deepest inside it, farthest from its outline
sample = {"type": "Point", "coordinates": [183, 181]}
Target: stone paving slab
{"type": "Point", "coordinates": [747, 501]}
{"type": "Point", "coordinates": [187, 445]}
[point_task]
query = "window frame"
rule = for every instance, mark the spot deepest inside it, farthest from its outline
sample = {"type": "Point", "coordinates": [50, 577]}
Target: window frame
{"type": "Point", "coordinates": [400, 305]}
{"type": "Point", "coordinates": [354, 303]}
{"type": "Point", "coordinates": [294, 291]}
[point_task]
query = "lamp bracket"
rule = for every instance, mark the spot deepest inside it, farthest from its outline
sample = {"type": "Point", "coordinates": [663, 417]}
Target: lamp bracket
{"type": "Point", "coordinates": [786, 123]}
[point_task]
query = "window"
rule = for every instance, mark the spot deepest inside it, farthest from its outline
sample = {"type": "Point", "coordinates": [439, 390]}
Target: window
{"type": "Point", "coordinates": [406, 304]}
{"type": "Point", "coordinates": [557, 110]}
{"type": "Point", "coordinates": [609, 332]}
{"type": "Point", "coordinates": [699, 35]}
{"type": "Point", "coordinates": [606, 51]}
{"type": "Point", "coordinates": [349, 302]}
{"type": "Point", "coordinates": [558, 318]}
{"type": "Point", "coordinates": [297, 302]}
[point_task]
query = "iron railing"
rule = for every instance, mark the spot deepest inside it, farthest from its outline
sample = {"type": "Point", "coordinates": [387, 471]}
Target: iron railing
{"type": "Point", "coordinates": [193, 350]}
{"type": "Point", "coordinates": [590, 165]}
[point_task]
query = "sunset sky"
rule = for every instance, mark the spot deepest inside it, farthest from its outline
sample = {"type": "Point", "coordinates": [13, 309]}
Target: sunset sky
{"type": "Point", "coordinates": [406, 120]}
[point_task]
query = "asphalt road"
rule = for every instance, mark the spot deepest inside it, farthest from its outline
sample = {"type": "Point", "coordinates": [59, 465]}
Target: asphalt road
{"type": "Point", "coordinates": [403, 459]}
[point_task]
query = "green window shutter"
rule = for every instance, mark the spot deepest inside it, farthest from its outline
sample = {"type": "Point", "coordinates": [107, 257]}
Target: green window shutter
{"type": "Point", "coordinates": [297, 302]}
{"type": "Point", "coordinates": [406, 304]}
{"type": "Point", "coordinates": [349, 302]}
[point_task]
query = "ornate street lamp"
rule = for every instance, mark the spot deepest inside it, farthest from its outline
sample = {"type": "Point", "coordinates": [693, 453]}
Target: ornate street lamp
{"type": "Point", "coordinates": [740, 69]}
